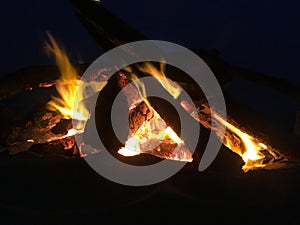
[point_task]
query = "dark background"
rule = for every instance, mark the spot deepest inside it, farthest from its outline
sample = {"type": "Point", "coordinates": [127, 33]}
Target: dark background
{"type": "Point", "coordinates": [261, 35]}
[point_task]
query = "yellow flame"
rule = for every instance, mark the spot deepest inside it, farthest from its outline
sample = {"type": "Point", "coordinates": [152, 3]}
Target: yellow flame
{"type": "Point", "coordinates": [251, 149]}
{"type": "Point", "coordinates": [159, 74]}
{"type": "Point", "coordinates": [71, 90]}
{"type": "Point", "coordinates": [70, 101]}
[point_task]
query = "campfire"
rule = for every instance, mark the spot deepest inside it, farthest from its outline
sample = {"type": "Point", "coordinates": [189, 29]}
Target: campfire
{"type": "Point", "coordinates": [149, 132]}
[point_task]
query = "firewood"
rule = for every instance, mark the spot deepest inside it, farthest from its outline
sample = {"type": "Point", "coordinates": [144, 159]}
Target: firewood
{"type": "Point", "coordinates": [46, 126]}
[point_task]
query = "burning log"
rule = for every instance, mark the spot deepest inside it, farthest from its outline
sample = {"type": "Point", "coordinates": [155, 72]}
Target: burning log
{"type": "Point", "coordinates": [47, 133]}
{"type": "Point", "coordinates": [54, 123]}
{"type": "Point", "coordinates": [252, 149]}
{"type": "Point", "coordinates": [159, 139]}
{"type": "Point", "coordinates": [150, 134]}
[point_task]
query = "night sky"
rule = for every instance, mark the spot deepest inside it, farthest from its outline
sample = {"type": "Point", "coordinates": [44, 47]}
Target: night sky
{"type": "Point", "coordinates": [260, 35]}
